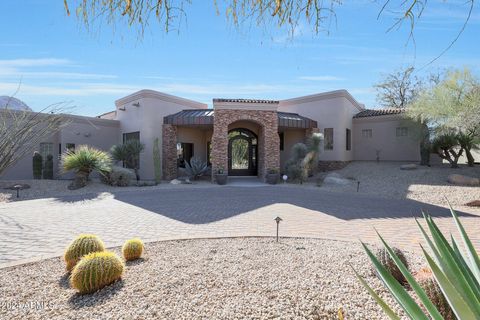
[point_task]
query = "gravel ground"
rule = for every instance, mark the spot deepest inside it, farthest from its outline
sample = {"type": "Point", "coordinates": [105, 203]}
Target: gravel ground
{"type": "Point", "coordinates": [57, 188]}
{"type": "Point", "coordinates": [425, 184]}
{"type": "Point", "coordinates": [243, 278]}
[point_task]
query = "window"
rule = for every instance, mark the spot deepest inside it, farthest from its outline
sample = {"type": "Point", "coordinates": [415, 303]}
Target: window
{"type": "Point", "coordinates": [328, 136]}
{"type": "Point", "coordinates": [127, 137]}
{"type": "Point", "coordinates": [349, 140]}
{"type": "Point", "coordinates": [184, 153]}
{"type": "Point", "coordinates": [281, 135]}
{"type": "Point", "coordinates": [70, 147]}
{"type": "Point", "coordinates": [367, 133]}
{"type": "Point", "coordinates": [46, 149]}
{"type": "Point", "coordinates": [131, 136]}
{"type": "Point", "coordinates": [209, 152]}
{"type": "Point", "coordinates": [402, 131]}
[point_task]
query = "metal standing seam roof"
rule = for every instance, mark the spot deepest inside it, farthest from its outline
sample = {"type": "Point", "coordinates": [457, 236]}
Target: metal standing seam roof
{"type": "Point", "coordinates": [379, 112]}
{"type": "Point", "coordinates": [206, 117]}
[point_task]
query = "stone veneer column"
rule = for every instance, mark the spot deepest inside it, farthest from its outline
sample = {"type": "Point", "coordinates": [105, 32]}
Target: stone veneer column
{"type": "Point", "coordinates": [169, 151]}
{"type": "Point", "coordinates": [268, 144]}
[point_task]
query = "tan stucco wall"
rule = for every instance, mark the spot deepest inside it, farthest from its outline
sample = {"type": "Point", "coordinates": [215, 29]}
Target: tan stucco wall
{"type": "Point", "coordinates": [196, 136]}
{"type": "Point", "coordinates": [95, 132]}
{"type": "Point", "coordinates": [384, 138]}
{"type": "Point", "coordinates": [291, 137]}
{"type": "Point", "coordinates": [148, 119]}
{"type": "Point", "coordinates": [332, 111]}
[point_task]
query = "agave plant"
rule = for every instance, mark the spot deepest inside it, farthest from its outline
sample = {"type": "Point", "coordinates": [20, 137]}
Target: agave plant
{"type": "Point", "coordinates": [456, 271]}
{"type": "Point", "coordinates": [83, 161]}
{"type": "Point", "coordinates": [195, 168]}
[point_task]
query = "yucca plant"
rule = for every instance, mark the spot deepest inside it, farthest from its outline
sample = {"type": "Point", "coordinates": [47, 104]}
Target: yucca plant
{"type": "Point", "coordinates": [83, 161]}
{"type": "Point", "coordinates": [456, 271]}
{"type": "Point", "coordinates": [129, 154]}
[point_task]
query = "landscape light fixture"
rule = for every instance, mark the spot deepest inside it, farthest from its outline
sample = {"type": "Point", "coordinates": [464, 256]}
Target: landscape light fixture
{"type": "Point", "coordinates": [277, 220]}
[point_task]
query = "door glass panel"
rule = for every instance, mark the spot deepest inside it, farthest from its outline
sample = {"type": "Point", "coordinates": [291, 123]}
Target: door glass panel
{"type": "Point", "coordinates": [240, 154]}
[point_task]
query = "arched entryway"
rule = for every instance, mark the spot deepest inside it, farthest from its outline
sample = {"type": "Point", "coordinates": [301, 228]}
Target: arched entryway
{"type": "Point", "coordinates": [242, 152]}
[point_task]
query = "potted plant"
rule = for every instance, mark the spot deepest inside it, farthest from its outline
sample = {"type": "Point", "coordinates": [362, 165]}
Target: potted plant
{"type": "Point", "coordinates": [272, 176]}
{"type": "Point", "coordinates": [221, 177]}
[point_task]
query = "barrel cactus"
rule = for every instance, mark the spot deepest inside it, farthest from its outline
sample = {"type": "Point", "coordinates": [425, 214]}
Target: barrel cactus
{"type": "Point", "coordinates": [132, 249]}
{"type": "Point", "coordinates": [37, 165]}
{"type": "Point", "coordinates": [95, 271]}
{"type": "Point", "coordinates": [82, 245]}
{"type": "Point", "coordinates": [386, 261]}
{"type": "Point", "coordinates": [426, 280]}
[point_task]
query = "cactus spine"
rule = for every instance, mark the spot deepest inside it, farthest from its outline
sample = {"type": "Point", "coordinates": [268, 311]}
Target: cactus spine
{"type": "Point", "coordinates": [48, 168]}
{"type": "Point", "coordinates": [95, 271]}
{"type": "Point", "coordinates": [132, 249]}
{"type": "Point", "coordinates": [384, 257]}
{"type": "Point", "coordinates": [82, 245]}
{"type": "Point", "coordinates": [426, 280]}
{"type": "Point", "coordinates": [37, 165]}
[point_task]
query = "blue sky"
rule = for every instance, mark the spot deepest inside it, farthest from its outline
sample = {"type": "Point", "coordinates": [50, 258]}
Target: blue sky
{"type": "Point", "coordinates": [56, 60]}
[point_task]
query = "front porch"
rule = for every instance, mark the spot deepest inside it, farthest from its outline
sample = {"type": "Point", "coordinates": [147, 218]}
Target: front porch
{"type": "Point", "coordinates": [237, 142]}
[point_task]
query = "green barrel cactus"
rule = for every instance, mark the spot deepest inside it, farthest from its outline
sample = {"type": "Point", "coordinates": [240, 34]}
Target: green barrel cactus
{"type": "Point", "coordinates": [37, 165]}
{"type": "Point", "coordinates": [385, 259]}
{"type": "Point", "coordinates": [132, 249]}
{"type": "Point", "coordinates": [95, 271]}
{"type": "Point", "coordinates": [82, 245]}
{"type": "Point", "coordinates": [426, 280]}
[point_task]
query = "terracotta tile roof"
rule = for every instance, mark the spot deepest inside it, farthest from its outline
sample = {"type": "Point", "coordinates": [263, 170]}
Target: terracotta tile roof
{"type": "Point", "coordinates": [246, 101]}
{"type": "Point", "coordinates": [378, 112]}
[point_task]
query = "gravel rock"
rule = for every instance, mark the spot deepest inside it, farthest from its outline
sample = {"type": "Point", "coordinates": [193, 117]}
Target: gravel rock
{"type": "Point", "coordinates": [243, 278]}
{"type": "Point", "coordinates": [461, 180]}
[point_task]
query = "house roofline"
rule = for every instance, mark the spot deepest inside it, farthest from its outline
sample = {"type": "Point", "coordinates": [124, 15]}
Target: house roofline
{"type": "Point", "coordinates": [147, 93]}
{"type": "Point", "coordinates": [342, 93]}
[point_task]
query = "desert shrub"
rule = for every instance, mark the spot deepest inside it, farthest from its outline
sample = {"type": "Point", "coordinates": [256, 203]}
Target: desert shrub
{"type": "Point", "coordinates": [82, 245]}
{"type": "Point", "coordinates": [129, 153]}
{"type": "Point", "coordinates": [386, 261]}
{"type": "Point", "coordinates": [118, 177]}
{"type": "Point", "coordinates": [132, 249]}
{"type": "Point", "coordinates": [295, 171]}
{"type": "Point", "coordinates": [448, 148]}
{"type": "Point", "coordinates": [95, 271]}
{"type": "Point", "coordinates": [48, 168]}
{"type": "Point", "coordinates": [196, 168]}
{"type": "Point", "coordinates": [37, 165]}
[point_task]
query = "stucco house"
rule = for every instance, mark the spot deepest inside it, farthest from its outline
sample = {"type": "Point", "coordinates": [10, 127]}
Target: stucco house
{"type": "Point", "coordinates": [240, 136]}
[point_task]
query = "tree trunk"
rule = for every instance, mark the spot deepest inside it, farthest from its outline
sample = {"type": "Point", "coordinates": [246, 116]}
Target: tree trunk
{"type": "Point", "coordinates": [79, 181]}
{"type": "Point", "coordinates": [425, 147]}
{"type": "Point", "coordinates": [470, 159]}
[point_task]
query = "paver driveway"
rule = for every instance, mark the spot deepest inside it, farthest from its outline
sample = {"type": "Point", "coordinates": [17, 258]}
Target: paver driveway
{"type": "Point", "coordinates": [41, 228]}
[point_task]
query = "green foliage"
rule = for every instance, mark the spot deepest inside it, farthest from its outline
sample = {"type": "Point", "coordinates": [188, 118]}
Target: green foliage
{"type": "Point", "coordinates": [95, 271]}
{"type": "Point", "coordinates": [129, 153]}
{"type": "Point", "coordinates": [132, 249]}
{"type": "Point", "coordinates": [456, 271]}
{"type": "Point", "coordinates": [82, 245]}
{"type": "Point", "coordinates": [86, 159]}
{"type": "Point", "coordinates": [447, 147]}
{"type": "Point", "coordinates": [387, 262]}
{"type": "Point", "coordinates": [48, 168]}
{"type": "Point", "coordinates": [434, 293]}
{"type": "Point", "coordinates": [157, 161]}
{"type": "Point", "coordinates": [304, 158]}
{"type": "Point", "coordinates": [196, 167]}
{"type": "Point", "coordinates": [118, 177]}
{"type": "Point", "coordinates": [37, 165]}
{"type": "Point", "coordinates": [468, 142]}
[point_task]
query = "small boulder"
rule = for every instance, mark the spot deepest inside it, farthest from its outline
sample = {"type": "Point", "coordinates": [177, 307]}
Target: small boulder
{"type": "Point", "coordinates": [461, 180]}
{"type": "Point", "coordinates": [336, 179]}
{"type": "Point", "coordinates": [176, 181]}
{"type": "Point", "coordinates": [410, 166]}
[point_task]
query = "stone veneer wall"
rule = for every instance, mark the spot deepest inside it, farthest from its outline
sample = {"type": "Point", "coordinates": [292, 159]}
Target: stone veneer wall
{"type": "Point", "coordinates": [169, 151]}
{"type": "Point", "coordinates": [268, 140]}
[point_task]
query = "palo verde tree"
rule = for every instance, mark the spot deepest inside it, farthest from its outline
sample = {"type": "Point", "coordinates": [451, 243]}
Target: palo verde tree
{"type": "Point", "coordinates": [453, 105]}
{"type": "Point", "coordinates": [320, 15]}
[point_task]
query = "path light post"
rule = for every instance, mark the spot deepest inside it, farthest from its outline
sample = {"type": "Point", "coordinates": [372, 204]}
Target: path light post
{"type": "Point", "coordinates": [277, 220]}
{"type": "Point", "coordinates": [284, 178]}
{"type": "Point", "coordinates": [358, 186]}
{"type": "Point", "coordinates": [17, 187]}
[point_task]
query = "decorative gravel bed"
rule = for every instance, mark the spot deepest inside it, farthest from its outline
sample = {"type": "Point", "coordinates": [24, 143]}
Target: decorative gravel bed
{"type": "Point", "coordinates": [424, 184]}
{"type": "Point", "coordinates": [243, 278]}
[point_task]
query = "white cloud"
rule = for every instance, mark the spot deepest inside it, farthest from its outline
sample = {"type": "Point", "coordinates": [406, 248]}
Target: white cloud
{"type": "Point", "coordinates": [321, 78]}
{"type": "Point", "coordinates": [17, 63]}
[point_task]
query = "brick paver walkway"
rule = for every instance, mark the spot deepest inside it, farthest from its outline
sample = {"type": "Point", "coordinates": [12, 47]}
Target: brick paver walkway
{"type": "Point", "coordinates": [42, 228]}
